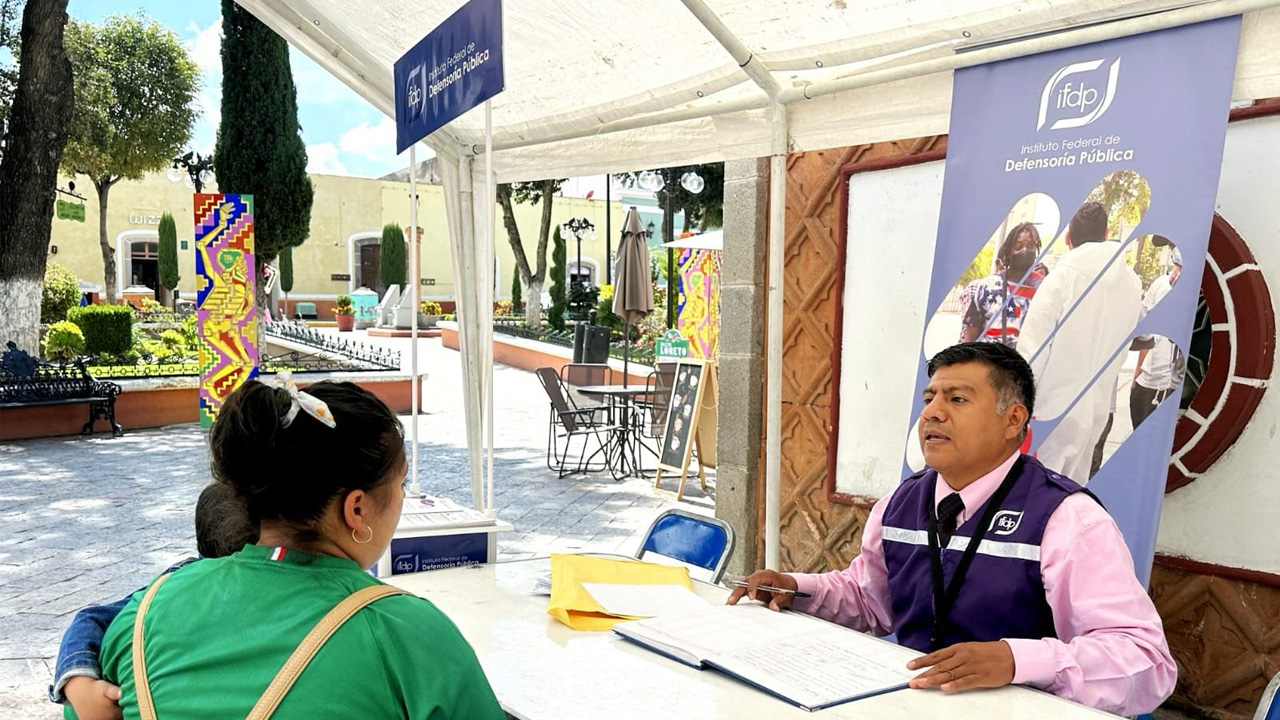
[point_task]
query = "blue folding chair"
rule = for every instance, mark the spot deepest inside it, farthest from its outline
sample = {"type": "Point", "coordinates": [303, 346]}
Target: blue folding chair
{"type": "Point", "coordinates": [1269, 708]}
{"type": "Point", "coordinates": [703, 542]}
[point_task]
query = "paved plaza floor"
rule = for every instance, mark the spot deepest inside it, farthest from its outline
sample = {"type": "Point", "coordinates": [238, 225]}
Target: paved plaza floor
{"type": "Point", "coordinates": [89, 520]}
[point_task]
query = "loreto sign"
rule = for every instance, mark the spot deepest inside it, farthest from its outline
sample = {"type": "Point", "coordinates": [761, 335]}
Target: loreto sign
{"type": "Point", "coordinates": [454, 68]}
{"type": "Point", "coordinates": [672, 345]}
{"type": "Point", "coordinates": [1076, 206]}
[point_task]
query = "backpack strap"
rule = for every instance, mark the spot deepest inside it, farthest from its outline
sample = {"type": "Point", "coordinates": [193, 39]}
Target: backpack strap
{"type": "Point", "coordinates": [293, 667]}
{"type": "Point", "coordinates": [311, 644]}
{"type": "Point", "coordinates": [146, 708]}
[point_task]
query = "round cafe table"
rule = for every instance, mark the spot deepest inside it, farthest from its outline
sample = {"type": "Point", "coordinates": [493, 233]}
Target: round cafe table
{"type": "Point", "coordinates": [624, 455]}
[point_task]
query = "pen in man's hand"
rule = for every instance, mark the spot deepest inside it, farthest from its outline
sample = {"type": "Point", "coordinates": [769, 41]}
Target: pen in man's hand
{"type": "Point", "coordinates": [774, 590]}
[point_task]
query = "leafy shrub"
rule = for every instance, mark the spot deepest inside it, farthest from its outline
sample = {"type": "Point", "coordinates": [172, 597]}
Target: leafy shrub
{"type": "Point", "coordinates": [173, 339]}
{"type": "Point", "coordinates": [61, 292]}
{"type": "Point", "coordinates": [106, 328]}
{"type": "Point", "coordinates": [64, 341]}
{"type": "Point", "coordinates": [501, 308]}
{"type": "Point", "coordinates": [429, 307]}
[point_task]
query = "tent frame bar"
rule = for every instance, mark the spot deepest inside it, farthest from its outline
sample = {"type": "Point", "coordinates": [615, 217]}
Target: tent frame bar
{"type": "Point", "coordinates": [864, 78]}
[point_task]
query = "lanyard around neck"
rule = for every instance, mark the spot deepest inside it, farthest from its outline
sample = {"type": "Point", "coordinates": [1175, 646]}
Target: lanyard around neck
{"type": "Point", "coordinates": [944, 595]}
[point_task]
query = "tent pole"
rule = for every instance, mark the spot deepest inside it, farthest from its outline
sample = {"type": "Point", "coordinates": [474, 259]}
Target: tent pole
{"type": "Point", "coordinates": [469, 285]}
{"type": "Point", "coordinates": [489, 210]}
{"type": "Point", "coordinates": [773, 408]}
{"type": "Point", "coordinates": [417, 273]}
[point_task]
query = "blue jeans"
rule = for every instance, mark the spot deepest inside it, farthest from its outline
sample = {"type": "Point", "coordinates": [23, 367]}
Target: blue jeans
{"type": "Point", "coordinates": [78, 653]}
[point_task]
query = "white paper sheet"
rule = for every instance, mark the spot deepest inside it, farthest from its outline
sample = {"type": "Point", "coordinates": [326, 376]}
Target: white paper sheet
{"type": "Point", "coordinates": [644, 600]}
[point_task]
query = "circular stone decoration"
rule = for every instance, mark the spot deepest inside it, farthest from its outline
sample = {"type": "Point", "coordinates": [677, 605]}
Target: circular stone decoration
{"type": "Point", "coordinates": [1234, 346]}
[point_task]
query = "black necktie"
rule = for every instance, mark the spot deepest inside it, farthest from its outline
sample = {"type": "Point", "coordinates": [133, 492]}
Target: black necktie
{"type": "Point", "coordinates": [948, 511]}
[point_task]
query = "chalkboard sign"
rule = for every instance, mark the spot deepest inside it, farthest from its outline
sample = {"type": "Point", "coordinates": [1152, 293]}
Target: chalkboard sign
{"type": "Point", "coordinates": [682, 415]}
{"type": "Point", "coordinates": [691, 422]}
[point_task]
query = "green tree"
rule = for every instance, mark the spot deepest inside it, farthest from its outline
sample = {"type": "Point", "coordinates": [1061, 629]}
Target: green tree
{"type": "Point", "coordinates": [559, 271]}
{"type": "Point", "coordinates": [394, 263]}
{"type": "Point", "coordinates": [38, 117]}
{"type": "Point", "coordinates": [530, 193]}
{"type": "Point", "coordinates": [980, 267]}
{"type": "Point", "coordinates": [260, 150]}
{"type": "Point", "coordinates": [517, 301]}
{"type": "Point", "coordinates": [168, 252]}
{"type": "Point", "coordinates": [286, 276]}
{"type": "Point", "coordinates": [1126, 196]}
{"type": "Point", "coordinates": [135, 91]}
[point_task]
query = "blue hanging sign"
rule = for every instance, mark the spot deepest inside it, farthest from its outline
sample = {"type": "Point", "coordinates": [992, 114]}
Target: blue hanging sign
{"type": "Point", "coordinates": [454, 68]}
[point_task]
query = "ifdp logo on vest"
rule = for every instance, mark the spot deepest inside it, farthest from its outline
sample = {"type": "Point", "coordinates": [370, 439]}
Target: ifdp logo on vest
{"type": "Point", "coordinates": [1006, 522]}
{"type": "Point", "coordinates": [1076, 96]}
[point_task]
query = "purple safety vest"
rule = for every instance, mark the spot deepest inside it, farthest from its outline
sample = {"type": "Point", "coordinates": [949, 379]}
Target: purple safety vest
{"type": "Point", "coordinates": [1002, 596]}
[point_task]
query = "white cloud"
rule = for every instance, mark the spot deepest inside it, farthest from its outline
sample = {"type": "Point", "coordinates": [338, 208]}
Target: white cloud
{"type": "Point", "coordinates": [373, 142]}
{"type": "Point", "coordinates": [205, 46]}
{"type": "Point", "coordinates": [323, 158]}
{"type": "Point", "coordinates": [315, 85]}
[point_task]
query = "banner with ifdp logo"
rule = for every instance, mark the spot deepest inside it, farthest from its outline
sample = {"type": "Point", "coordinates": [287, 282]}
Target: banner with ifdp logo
{"type": "Point", "coordinates": [454, 68]}
{"type": "Point", "coordinates": [1076, 207]}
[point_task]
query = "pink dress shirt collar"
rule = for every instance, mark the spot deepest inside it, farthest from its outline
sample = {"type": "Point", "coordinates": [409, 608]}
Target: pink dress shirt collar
{"type": "Point", "coordinates": [975, 493]}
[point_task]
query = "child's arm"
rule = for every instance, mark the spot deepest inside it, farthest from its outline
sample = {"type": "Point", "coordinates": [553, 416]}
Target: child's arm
{"type": "Point", "coordinates": [78, 654]}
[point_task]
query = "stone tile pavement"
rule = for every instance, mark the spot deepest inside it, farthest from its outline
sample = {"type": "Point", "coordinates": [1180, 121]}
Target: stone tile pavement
{"type": "Point", "coordinates": [89, 520]}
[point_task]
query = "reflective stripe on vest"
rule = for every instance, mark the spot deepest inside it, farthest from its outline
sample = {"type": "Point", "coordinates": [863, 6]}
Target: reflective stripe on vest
{"type": "Point", "coordinates": [1015, 551]}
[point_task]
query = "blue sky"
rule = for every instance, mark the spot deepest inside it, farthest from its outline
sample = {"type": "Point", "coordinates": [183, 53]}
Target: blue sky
{"type": "Point", "coordinates": [344, 134]}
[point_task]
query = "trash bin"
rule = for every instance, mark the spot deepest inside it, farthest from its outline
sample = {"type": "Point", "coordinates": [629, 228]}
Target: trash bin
{"type": "Point", "coordinates": [579, 338]}
{"type": "Point", "coordinates": [595, 346]}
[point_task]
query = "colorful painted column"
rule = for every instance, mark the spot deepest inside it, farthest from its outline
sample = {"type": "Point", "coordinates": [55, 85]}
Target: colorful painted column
{"type": "Point", "coordinates": [226, 307]}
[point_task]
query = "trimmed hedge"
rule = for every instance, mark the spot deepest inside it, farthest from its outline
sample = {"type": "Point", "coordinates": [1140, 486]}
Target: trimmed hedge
{"type": "Point", "coordinates": [106, 328]}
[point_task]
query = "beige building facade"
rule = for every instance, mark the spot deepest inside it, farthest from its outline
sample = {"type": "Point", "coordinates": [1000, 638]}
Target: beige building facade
{"type": "Point", "coordinates": [341, 253]}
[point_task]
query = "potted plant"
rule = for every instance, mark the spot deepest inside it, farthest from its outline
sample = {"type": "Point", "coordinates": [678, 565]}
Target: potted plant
{"type": "Point", "coordinates": [345, 314]}
{"type": "Point", "coordinates": [428, 313]}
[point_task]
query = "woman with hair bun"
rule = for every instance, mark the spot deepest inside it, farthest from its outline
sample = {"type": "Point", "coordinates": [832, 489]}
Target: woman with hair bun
{"type": "Point", "coordinates": [322, 473]}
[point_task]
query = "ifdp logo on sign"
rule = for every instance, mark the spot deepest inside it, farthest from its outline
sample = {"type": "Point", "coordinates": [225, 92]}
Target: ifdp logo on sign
{"type": "Point", "coordinates": [1077, 95]}
{"type": "Point", "coordinates": [415, 92]}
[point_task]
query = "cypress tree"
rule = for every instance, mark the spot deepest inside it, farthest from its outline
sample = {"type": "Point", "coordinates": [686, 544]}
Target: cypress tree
{"type": "Point", "coordinates": [168, 252]}
{"type": "Point", "coordinates": [260, 150]}
{"type": "Point", "coordinates": [394, 262]}
{"type": "Point", "coordinates": [559, 270]}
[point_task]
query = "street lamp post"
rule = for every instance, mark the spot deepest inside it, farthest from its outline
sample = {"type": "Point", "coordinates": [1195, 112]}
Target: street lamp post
{"type": "Point", "coordinates": [199, 170]}
{"type": "Point", "coordinates": [656, 181]}
{"type": "Point", "coordinates": [579, 227]}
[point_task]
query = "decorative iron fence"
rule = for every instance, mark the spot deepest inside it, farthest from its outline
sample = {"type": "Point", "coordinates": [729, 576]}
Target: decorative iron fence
{"type": "Point", "coordinates": [351, 355]}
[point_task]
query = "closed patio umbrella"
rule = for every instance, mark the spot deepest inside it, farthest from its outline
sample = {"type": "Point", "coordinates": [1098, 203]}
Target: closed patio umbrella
{"type": "Point", "coordinates": [632, 286]}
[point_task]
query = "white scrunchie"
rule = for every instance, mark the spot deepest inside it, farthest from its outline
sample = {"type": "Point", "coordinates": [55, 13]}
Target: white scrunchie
{"type": "Point", "coordinates": [314, 406]}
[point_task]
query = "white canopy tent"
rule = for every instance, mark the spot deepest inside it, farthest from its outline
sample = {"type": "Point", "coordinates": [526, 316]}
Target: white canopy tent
{"type": "Point", "coordinates": [711, 240]}
{"type": "Point", "coordinates": [595, 86]}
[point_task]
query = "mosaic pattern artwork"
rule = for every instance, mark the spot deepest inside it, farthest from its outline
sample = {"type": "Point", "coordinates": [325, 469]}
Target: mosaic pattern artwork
{"type": "Point", "coordinates": [226, 310]}
{"type": "Point", "coordinates": [699, 307]}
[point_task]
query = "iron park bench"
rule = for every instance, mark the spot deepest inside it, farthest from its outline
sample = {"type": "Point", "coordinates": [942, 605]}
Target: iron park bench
{"type": "Point", "coordinates": [27, 382]}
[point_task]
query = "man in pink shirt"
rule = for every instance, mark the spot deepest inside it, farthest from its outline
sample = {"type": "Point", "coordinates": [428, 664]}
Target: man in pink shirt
{"type": "Point", "coordinates": [1047, 598]}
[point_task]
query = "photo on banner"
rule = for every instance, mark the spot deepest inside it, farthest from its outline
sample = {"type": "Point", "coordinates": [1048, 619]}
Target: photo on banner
{"type": "Point", "coordinates": [997, 294]}
{"type": "Point", "coordinates": [1077, 195]}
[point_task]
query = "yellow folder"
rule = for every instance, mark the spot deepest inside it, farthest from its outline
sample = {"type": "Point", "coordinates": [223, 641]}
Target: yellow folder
{"type": "Point", "coordinates": [572, 605]}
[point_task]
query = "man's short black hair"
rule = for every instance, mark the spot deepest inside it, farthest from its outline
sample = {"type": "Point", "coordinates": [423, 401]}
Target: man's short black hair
{"type": "Point", "coordinates": [1010, 376]}
{"type": "Point", "coordinates": [1089, 224]}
